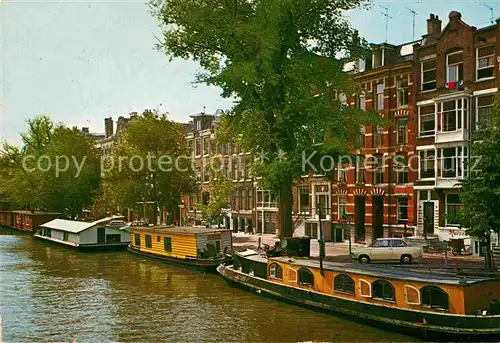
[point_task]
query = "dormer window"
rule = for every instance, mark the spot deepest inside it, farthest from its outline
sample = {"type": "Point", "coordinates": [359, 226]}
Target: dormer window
{"type": "Point", "coordinates": [198, 124]}
{"type": "Point", "coordinates": [361, 65]}
{"type": "Point", "coordinates": [378, 58]}
{"type": "Point", "coordinates": [454, 68]}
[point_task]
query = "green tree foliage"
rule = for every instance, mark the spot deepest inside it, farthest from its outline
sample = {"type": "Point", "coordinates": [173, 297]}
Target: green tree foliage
{"type": "Point", "coordinates": [282, 60]}
{"type": "Point", "coordinates": [151, 163]}
{"type": "Point", "coordinates": [221, 188]}
{"type": "Point", "coordinates": [57, 169]}
{"type": "Point", "coordinates": [480, 193]}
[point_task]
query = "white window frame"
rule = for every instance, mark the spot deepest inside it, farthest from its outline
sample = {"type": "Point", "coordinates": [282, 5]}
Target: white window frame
{"type": "Point", "coordinates": [461, 112]}
{"type": "Point", "coordinates": [433, 114]}
{"type": "Point", "coordinates": [299, 198]}
{"type": "Point", "coordinates": [492, 56]}
{"type": "Point", "coordinates": [343, 197]}
{"type": "Point", "coordinates": [459, 157]}
{"type": "Point", "coordinates": [362, 101]}
{"type": "Point", "coordinates": [361, 281]}
{"type": "Point", "coordinates": [446, 211]}
{"type": "Point", "coordinates": [422, 76]}
{"type": "Point", "coordinates": [434, 157]}
{"type": "Point", "coordinates": [198, 124]}
{"type": "Point", "coordinates": [454, 65]}
{"type": "Point", "coordinates": [398, 120]}
{"type": "Point", "coordinates": [406, 287]}
{"type": "Point", "coordinates": [399, 89]}
{"type": "Point", "coordinates": [380, 96]}
{"type": "Point", "coordinates": [477, 107]}
{"type": "Point", "coordinates": [398, 207]}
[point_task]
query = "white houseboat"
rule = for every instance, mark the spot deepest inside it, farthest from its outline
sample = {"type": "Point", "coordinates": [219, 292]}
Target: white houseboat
{"type": "Point", "coordinates": [85, 235]}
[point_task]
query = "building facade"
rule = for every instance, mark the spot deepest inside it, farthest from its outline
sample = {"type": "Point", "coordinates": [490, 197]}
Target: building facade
{"type": "Point", "coordinates": [457, 73]}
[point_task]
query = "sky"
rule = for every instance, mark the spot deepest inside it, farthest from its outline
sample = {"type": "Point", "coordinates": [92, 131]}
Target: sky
{"type": "Point", "coordinates": [81, 61]}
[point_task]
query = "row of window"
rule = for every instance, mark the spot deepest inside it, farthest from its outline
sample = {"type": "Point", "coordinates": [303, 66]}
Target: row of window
{"type": "Point", "coordinates": [444, 163]}
{"type": "Point", "coordinates": [428, 296]}
{"type": "Point", "coordinates": [148, 242]}
{"type": "Point", "coordinates": [378, 134]}
{"type": "Point", "coordinates": [207, 146]}
{"type": "Point", "coordinates": [485, 68]}
{"type": "Point", "coordinates": [402, 95]}
{"type": "Point", "coordinates": [453, 115]}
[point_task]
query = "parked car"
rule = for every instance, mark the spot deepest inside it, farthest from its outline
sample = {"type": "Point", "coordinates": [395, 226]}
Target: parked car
{"type": "Point", "coordinates": [387, 249]}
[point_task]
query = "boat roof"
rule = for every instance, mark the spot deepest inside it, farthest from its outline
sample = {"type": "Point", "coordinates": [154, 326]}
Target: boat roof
{"type": "Point", "coordinates": [74, 226]}
{"type": "Point", "coordinates": [180, 230]}
{"type": "Point", "coordinates": [252, 255]}
{"type": "Point", "coordinates": [385, 272]}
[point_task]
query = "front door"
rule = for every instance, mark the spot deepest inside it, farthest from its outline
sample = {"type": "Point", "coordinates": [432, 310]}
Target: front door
{"type": "Point", "coordinates": [428, 214]}
{"type": "Point", "coordinates": [378, 216]}
{"type": "Point", "coordinates": [360, 218]}
{"type": "Point", "coordinates": [101, 235]}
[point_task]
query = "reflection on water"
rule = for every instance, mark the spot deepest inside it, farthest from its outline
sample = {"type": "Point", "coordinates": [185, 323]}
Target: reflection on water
{"type": "Point", "coordinates": [52, 293]}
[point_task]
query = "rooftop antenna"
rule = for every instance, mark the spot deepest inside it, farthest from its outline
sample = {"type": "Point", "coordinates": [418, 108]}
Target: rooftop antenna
{"type": "Point", "coordinates": [491, 12]}
{"type": "Point", "coordinates": [414, 15]}
{"type": "Point", "coordinates": [387, 17]}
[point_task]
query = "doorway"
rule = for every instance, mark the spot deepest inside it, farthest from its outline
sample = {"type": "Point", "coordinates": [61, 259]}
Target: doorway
{"type": "Point", "coordinates": [360, 218]}
{"type": "Point", "coordinates": [101, 235]}
{"type": "Point", "coordinates": [428, 214]}
{"type": "Point", "coordinates": [378, 216]}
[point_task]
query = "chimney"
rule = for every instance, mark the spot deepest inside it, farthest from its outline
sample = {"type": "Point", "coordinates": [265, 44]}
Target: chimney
{"type": "Point", "coordinates": [433, 25]}
{"type": "Point", "coordinates": [108, 127]}
{"type": "Point", "coordinates": [454, 17]}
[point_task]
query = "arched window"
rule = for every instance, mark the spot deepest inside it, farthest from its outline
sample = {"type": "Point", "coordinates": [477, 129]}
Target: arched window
{"type": "Point", "coordinates": [383, 290]}
{"type": "Point", "coordinates": [305, 277]}
{"type": "Point", "coordinates": [275, 271]}
{"type": "Point", "coordinates": [343, 283]}
{"type": "Point", "coordinates": [435, 297]}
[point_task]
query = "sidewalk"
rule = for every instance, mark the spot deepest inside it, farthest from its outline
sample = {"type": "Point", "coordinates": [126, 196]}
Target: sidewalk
{"type": "Point", "coordinates": [339, 252]}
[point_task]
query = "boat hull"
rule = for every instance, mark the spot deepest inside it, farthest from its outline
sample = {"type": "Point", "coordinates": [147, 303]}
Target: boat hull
{"type": "Point", "coordinates": [209, 266]}
{"type": "Point", "coordinates": [85, 247]}
{"type": "Point", "coordinates": [418, 323]}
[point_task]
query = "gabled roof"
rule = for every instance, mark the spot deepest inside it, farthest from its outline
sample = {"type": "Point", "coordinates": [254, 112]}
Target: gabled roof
{"type": "Point", "coordinates": [74, 226]}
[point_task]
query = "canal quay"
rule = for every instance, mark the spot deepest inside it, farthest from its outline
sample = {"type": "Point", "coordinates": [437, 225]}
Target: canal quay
{"type": "Point", "coordinates": [56, 294]}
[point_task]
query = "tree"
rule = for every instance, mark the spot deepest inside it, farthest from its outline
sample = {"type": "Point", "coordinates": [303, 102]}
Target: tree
{"type": "Point", "coordinates": [221, 191]}
{"type": "Point", "coordinates": [282, 60]}
{"type": "Point", "coordinates": [56, 170]}
{"type": "Point", "coordinates": [151, 163]}
{"type": "Point", "coordinates": [480, 193]}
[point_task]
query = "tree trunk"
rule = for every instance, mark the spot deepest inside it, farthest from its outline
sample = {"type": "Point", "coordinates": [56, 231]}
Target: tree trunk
{"type": "Point", "coordinates": [488, 258]}
{"type": "Point", "coordinates": [285, 208]}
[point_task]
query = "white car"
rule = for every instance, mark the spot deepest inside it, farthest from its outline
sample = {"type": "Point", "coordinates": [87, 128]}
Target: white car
{"type": "Point", "coordinates": [387, 249]}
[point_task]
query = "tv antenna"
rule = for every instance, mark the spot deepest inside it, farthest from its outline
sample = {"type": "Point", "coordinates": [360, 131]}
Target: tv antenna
{"type": "Point", "coordinates": [387, 17]}
{"type": "Point", "coordinates": [414, 15]}
{"type": "Point", "coordinates": [491, 12]}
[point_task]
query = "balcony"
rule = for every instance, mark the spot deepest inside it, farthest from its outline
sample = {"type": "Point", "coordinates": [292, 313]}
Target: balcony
{"type": "Point", "coordinates": [452, 120]}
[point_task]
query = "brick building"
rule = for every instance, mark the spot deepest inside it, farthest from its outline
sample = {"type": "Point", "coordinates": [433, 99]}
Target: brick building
{"type": "Point", "coordinates": [456, 74]}
{"type": "Point", "coordinates": [374, 185]}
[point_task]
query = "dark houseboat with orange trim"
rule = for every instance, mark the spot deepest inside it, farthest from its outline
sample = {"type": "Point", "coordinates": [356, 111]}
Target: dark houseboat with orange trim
{"type": "Point", "coordinates": [28, 221]}
{"type": "Point", "coordinates": [416, 302]}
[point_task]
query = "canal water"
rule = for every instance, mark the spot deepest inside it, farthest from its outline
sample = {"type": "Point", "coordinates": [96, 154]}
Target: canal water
{"type": "Point", "coordinates": [51, 293]}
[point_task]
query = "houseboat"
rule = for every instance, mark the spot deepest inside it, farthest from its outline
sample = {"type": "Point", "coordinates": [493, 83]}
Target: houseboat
{"type": "Point", "coordinates": [85, 235]}
{"type": "Point", "coordinates": [427, 304]}
{"type": "Point", "coordinates": [28, 221]}
{"type": "Point", "coordinates": [191, 247]}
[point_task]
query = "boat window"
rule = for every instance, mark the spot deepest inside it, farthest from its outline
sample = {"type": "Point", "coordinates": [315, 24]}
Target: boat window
{"type": "Point", "coordinates": [434, 297]}
{"type": "Point", "coordinates": [291, 274]}
{"type": "Point", "coordinates": [158, 239]}
{"type": "Point", "coordinates": [306, 277]}
{"type": "Point", "coordinates": [383, 290]}
{"type": "Point", "coordinates": [149, 243]}
{"type": "Point", "coordinates": [167, 244]}
{"type": "Point", "coordinates": [275, 271]}
{"type": "Point", "coordinates": [344, 283]}
{"type": "Point", "coordinates": [137, 238]}
{"type": "Point", "coordinates": [412, 295]}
